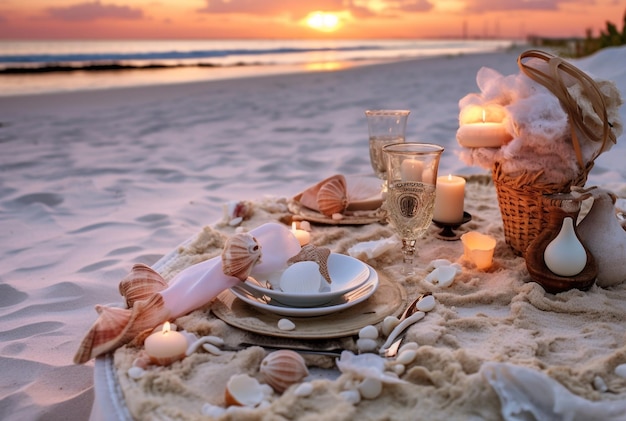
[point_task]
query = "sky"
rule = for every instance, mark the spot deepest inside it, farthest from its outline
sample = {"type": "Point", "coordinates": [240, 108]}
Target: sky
{"type": "Point", "coordinates": [297, 19]}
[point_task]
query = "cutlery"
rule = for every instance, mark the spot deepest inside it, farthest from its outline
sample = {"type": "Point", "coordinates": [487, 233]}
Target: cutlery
{"type": "Point", "coordinates": [409, 317]}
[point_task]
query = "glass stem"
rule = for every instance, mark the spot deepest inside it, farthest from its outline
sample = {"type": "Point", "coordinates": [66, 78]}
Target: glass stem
{"type": "Point", "coordinates": [408, 250]}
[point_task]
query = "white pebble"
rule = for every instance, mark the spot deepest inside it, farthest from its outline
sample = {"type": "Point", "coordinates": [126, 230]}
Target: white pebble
{"type": "Point", "coordinates": [368, 332]}
{"type": "Point", "coordinates": [235, 221]}
{"type": "Point", "coordinates": [136, 372]}
{"type": "Point", "coordinates": [286, 324]}
{"type": "Point", "coordinates": [406, 357]}
{"type": "Point", "coordinates": [213, 411]}
{"type": "Point", "coordinates": [408, 345]}
{"type": "Point", "coordinates": [620, 370]}
{"type": "Point", "coordinates": [389, 323]}
{"type": "Point", "coordinates": [337, 217]}
{"type": "Point", "coordinates": [303, 389]}
{"type": "Point", "coordinates": [599, 384]}
{"type": "Point", "coordinates": [370, 388]}
{"type": "Point", "coordinates": [212, 349]}
{"type": "Point", "coordinates": [442, 276]}
{"type": "Point", "coordinates": [399, 369]}
{"type": "Point", "coordinates": [352, 396]}
{"type": "Point", "coordinates": [426, 304]}
{"type": "Point", "coordinates": [366, 345]}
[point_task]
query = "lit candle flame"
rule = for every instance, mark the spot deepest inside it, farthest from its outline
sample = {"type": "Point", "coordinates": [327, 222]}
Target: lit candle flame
{"type": "Point", "coordinates": [166, 327]}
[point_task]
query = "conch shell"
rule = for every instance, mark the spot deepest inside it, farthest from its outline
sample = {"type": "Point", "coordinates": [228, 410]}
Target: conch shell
{"type": "Point", "coordinates": [241, 252]}
{"type": "Point", "coordinates": [140, 284]}
{"type": "Point", "coordinates": [319, 255]}
{"type": "Point", "coordinates": [329, 196]}
{"type": "Point", "coordinates": [280, 369]}
{"type": "Point", "coordinates": [117, 326]}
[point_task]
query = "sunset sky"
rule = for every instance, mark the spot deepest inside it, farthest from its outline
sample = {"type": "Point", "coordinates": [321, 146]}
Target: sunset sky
{"type": "Point", "coordinates": [186, 19]}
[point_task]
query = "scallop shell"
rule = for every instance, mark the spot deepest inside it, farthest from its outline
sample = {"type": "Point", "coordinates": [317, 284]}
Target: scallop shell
{"type": "Point", "coordinates": [241, 252]}
{"type": "Point", "coordinates": [282, 368]}
{"type": "Point", "coordinates": [118, 326]}
{"type": "Point", "coordinates": [332, 196]}
{"type": "Point", "coordinates": [243, 390]}
{"type": "Point", "coordinates": [141, 283]}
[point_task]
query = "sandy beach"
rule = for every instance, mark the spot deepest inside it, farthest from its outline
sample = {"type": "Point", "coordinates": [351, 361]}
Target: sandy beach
{"type": "Point", "coordinates": [93, 182]}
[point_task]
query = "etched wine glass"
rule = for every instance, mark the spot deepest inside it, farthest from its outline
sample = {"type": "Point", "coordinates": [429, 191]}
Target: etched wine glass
{"type": "Point", "coordinates": [410, 198]}
{"type": "Point", "coordinates": [385, 127]}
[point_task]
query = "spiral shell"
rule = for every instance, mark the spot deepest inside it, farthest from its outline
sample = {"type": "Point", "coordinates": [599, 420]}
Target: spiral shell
{"type": "Point", "coordinates": [280, 369]}
{"type": "Point", "coordinates": [332, 196]}
{"type": "Point", "coordinates": [241, 252]}
{"type": "Point", "coordinates": [140, 284]}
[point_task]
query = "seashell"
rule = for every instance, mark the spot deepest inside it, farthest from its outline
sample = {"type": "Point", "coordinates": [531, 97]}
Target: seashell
{"type": "Point", "coordinates": [281, 369]}
{"type": "Point", "coordinates": [318, 255]}
{"type": "Point", "coordinates": [309, 197]}
{"type": "Point", "coordinates": [118, 326]}
{"type": "Point", "coordinates": [241, 252]}
{"type": "Point", "coordinates": [442, 276]}
{"type": "Point", "coordinates": [370, 388]}
{"type": "Point", "coordinates": [332, 196]}
{"type": "Point", "coordinates": [301, 278]}
{"type": "Point", "coordinates": [243, 390]}
{"type": "Point", "coordinates": [140, 284]}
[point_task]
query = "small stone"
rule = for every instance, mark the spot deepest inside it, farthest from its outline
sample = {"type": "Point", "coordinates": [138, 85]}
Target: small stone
{"type": "Point", "coordinates": [406, 357]}
{"type": "Point", "coordinates": [337, 217]}
{"type": "Point", "coordinates": [408, 345]}
{"type": "Point", "coordinates": [370, 388]}
{"type": "Point", "coordinates": [368, 332]}
{"type": "Point", "coordinates": [286, 324]}
{"type": "Point", "coordinates": [426, 304]}
{"type": "Point", "coordinates": [599, 384]}
{"type": "Point", "coordinates": [620, 370]}
{"type": "Point", "coordinates": [352, 396]}
{"type": "Point", "coordinates": [136, 372]}
{"type": "Point", "coordinates": [213, 411]}
{"type": "Point", "coordinates": [399, 369]}
{"type": "Point", "coordinates": [303, 389]}
{"type": "Point", "coordinates": [366, 345]}
{"type": "Point", "coordinates": [389, 323]}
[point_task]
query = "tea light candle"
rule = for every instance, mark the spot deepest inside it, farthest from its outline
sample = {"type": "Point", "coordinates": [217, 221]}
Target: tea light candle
{"type": "Point", "coordinates": [411, 170]}
{"type": "Point", "coordinates": [166, 346]}
{"type": "Point", "coordinates": [449, 199]}
{"type": "Point", "coordinates": [483, 134]}
{"type": "Point", "coordinates": [478, 248]}
{"type": "Point", "coordinates": [304, 237]}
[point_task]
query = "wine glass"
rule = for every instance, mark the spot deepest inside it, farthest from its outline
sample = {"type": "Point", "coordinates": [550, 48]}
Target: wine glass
{"type": "Point", "coordinates": [385, 127]}
{"type": "Point", "coordinates": [410, 198]}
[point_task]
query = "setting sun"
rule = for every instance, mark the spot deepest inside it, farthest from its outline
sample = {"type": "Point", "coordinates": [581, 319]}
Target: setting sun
{"type": "Point", "coordinates": [323, 21]}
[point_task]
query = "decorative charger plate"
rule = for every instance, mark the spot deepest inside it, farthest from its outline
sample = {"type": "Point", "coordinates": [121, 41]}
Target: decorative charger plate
{"type": "Point", "coordinates": [389, 300]}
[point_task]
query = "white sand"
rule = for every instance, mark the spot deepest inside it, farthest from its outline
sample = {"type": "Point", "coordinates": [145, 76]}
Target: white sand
{"type": "Point", "coordinates": [94, 182]}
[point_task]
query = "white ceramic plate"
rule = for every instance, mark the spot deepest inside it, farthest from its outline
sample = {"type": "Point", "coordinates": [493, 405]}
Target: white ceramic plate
{"type": "Point", "coordinates": [341, 303]}
{"type": "Point", "coordinates": [346, 273]}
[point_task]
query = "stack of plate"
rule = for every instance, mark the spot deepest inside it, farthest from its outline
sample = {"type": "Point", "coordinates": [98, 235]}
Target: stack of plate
{"type": "Point", "coordinates": [352, 282]}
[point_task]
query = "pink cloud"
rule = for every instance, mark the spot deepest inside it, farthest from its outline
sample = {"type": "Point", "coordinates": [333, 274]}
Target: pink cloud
{"type": "Point", "coordinates": [93, 11]}
{"type": "Point", "coordinates": [499, 5]}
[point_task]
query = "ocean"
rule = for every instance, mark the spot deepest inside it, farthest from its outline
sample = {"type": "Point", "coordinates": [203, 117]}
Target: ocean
{"type": "Point", "coordinates": [36, 67]}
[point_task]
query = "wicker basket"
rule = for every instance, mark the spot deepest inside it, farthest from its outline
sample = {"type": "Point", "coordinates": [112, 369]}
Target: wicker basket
{"type": "Point", "coordinates": [524, 204]}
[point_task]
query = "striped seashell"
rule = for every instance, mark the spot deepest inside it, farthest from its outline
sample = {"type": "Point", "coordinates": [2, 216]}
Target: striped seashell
{"type": "Point", "coordinates": [280, 369]}
{"type": "Point", "coordinates": [332, 196]}
{"type": "Point", "coordinates": [140, 284]}
{"type": "Point", "coordinates": [241, 252]}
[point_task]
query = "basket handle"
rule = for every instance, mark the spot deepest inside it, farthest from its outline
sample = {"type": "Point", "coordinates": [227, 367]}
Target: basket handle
{"type": "Point", "coordinates": [555, 84]}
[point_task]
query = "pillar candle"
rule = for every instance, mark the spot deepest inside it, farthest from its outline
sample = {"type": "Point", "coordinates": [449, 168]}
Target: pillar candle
{"type": "Point", "coordinates": [449, 199]}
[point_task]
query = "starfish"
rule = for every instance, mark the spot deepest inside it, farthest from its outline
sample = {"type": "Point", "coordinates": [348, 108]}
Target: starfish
{"type": "Point", "coordinates": [319, 255]}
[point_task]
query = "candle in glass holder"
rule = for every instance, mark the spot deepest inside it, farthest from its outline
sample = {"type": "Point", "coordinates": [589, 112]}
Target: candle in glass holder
{"type": "Point", "coordinates": [478, 248]}
{"type": "Point", "coordinates": [166, 346]}
{"type": "Point", "coordinates": [411, 170]}
{"type": "Point", "coordinates": [303, 237]}
{"type": "Point", "coordinates": [449, 199]}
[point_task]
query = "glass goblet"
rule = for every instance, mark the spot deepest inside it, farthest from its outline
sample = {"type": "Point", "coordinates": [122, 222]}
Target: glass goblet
{"type": "Point", "coordinates": [410, 198]}
{"type": "Point", "coordinates": [384, 127]}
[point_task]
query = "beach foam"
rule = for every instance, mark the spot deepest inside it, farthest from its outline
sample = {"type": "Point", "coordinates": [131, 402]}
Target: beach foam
{"type": "Point", "coordinates": [93, 182]}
